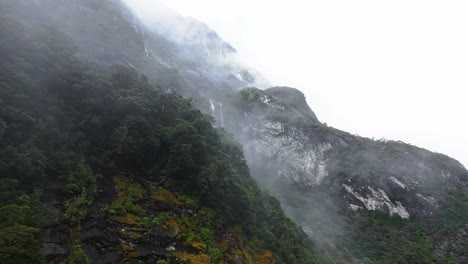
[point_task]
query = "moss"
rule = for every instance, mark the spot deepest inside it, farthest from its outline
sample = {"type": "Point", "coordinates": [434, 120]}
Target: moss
{"type": "Point", "coordinates": [126, 247]}
{"type": "Point", "coordinates": [265, 258]}
{"type": "Point", "coordinates": [133, 254]}
{"type": "Point", "coordinates": [198, 244]}
{"type": "Point", "coordinates": [223, 245]}
{"type": "Point", "coordinates": [243, 253]}
{"type": "Point", "coordinates": [171, 228]}
{"type": "Point", "coordinates": [130, 234]}
{"type": "Point", "coordinates": [128, 191]}
{"type": "Point", "coordinates": [129, 219]}
{"type": "Point", "coordinates": [234, 257]}
{"type": "Point", "coordinates": [129, 252]}
{"type": "Point", "coordinates": [166, 197]}
{"type": "Point", "coordinates": [192, 258]}
{"type": "Point", "coordinates": [234, 249]}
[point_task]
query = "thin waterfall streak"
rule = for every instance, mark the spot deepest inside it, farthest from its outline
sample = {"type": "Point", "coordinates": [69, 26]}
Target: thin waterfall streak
{"type": "Point", "coordinates": [212, 108]}
{"type": "Point", "coordinates": [218, 116]}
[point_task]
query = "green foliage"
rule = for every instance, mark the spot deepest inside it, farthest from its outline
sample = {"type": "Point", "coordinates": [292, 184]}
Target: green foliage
{"type": "Point", "coordinates": [187, 201]}
{"type": "Point", "coordinates": [19, 244]}
{"type": "Point", "coordinates": [247, 97]}
{"type": "Point", "coordinates": [77, 256]}
{"type": "Point", "coordinates": [161, 219]}
{"type": "Point", "coordinates": [81, 180]}
{"type": "Point", "coordinates": [378, 236]}
{"type": "Point", "coordinates": [75, 210]}
{"type": "Point", "coordinates": [119, 209]}
{"type": "Point", "coordinates": [20, 214]}
{"type": "Point", "coordinates": [454, 216]}
{"type": "Point", "coordinates": [81, 186]}
{"type": "Point", "coordinates": [201, 230]}
{"type": "Point", "coordinates": [59, 120]}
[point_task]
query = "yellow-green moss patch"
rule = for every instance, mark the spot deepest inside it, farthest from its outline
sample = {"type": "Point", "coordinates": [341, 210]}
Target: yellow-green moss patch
{"type": "Point", "coordinates": [166, 197]}
{"type": "Point", "coordinates": [171, 228]}
{"type": "Point", "coordinates": [129, 219]}
{"type": "Point", "coordinates": [191, 258]}
{"type": "Point", "coordinates": [128, 191]}
{"type": "Point", "coordinates": [265, 258]}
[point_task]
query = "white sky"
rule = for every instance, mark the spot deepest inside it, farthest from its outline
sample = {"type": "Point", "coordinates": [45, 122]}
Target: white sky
{"type": "Point", "coordinates": [395, 69]}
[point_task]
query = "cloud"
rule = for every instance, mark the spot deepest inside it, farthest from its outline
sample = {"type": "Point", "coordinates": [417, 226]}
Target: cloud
{"type": "Point", "coordinates": [375, 68]}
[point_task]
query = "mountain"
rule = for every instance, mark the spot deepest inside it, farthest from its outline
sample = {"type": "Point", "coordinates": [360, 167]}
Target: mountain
{"type": "Point", "coordinates": [132, 172]}
{"type": "Point", "coordinates": [379, 201]}
{"type": "Point", "coordinates": [109, 33]}
{"type": "Point", "coordinates": [106, 168]}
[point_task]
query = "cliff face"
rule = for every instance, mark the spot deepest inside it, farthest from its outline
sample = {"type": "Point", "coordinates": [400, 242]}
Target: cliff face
{"type": "Point", "coordinates": [325, 177]}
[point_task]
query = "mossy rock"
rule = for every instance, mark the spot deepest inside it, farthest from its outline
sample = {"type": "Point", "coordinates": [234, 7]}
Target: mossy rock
{"type": "Point", "coordinates": [127, 190]}
{"type": "Point", "coordinates": [128, 219]}
{"type": "Point", "coordinates": [265, 258]}
{"type": "Point", "coordinates": [192, 258]}
{"type": "Point", "coordinates": [171, 228]}
{"type": "Point", "coordinates": [130, 234]}
{"type": "Point", "coordinates": [166, 197]}
{"type": "Point", "coordinates": [198, 244]}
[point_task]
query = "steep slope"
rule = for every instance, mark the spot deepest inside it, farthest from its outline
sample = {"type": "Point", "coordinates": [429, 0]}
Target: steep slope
{"type": "Point", "coordinates": [109, 169]}
{"type": "Point", "coordinates": [344, 189]}
{"type": "Point", "coordinates": [107, 32]}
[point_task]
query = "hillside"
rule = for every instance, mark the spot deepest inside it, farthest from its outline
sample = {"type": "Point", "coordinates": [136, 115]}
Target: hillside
{"type": "Point", "coordinates": [110, 169]}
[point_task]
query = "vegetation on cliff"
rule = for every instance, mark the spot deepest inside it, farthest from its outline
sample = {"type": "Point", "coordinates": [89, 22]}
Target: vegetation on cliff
{"type": "Point", "coordinates": [79, 148]}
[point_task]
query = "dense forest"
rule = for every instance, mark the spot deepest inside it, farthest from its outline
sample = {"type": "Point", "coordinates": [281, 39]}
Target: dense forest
{"type": "Point", "coordinates": [82, 150]}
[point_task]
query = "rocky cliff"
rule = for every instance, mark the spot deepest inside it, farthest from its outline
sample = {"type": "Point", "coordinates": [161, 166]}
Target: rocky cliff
{"type": "Point", "coordinates": [325, 177]}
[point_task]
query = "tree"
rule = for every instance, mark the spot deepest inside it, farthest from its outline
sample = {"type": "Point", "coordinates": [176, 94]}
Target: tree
{"type": "Point", "coordinates": [78, 256]}
{"type": "Point", "coordinates": [19, 244]}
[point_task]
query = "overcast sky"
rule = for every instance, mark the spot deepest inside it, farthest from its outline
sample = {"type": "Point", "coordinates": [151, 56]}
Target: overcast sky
{"type": "Point", "coordinates": [394, 69]}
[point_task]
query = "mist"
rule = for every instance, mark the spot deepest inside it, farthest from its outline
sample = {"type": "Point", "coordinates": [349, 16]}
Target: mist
{"type": "Point", "coordinates": [197, 43]}
{"type": "Point", "coordinates": [383, 70]}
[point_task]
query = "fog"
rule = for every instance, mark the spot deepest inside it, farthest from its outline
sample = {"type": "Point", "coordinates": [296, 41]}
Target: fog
{"type": "Point", "coordinates": [394, 70]}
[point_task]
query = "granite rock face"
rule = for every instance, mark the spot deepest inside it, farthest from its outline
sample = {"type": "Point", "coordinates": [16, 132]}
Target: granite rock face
{"type": "Point", "coordinates": [324, 176]}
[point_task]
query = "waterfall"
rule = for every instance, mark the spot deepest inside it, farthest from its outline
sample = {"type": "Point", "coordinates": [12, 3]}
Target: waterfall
{"type": "Point", "coordinates": [222, 118]}
{"type": "Point", "coordinates": [218, 116]}
{"type": "Point", "coordinates": [212, 108]}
